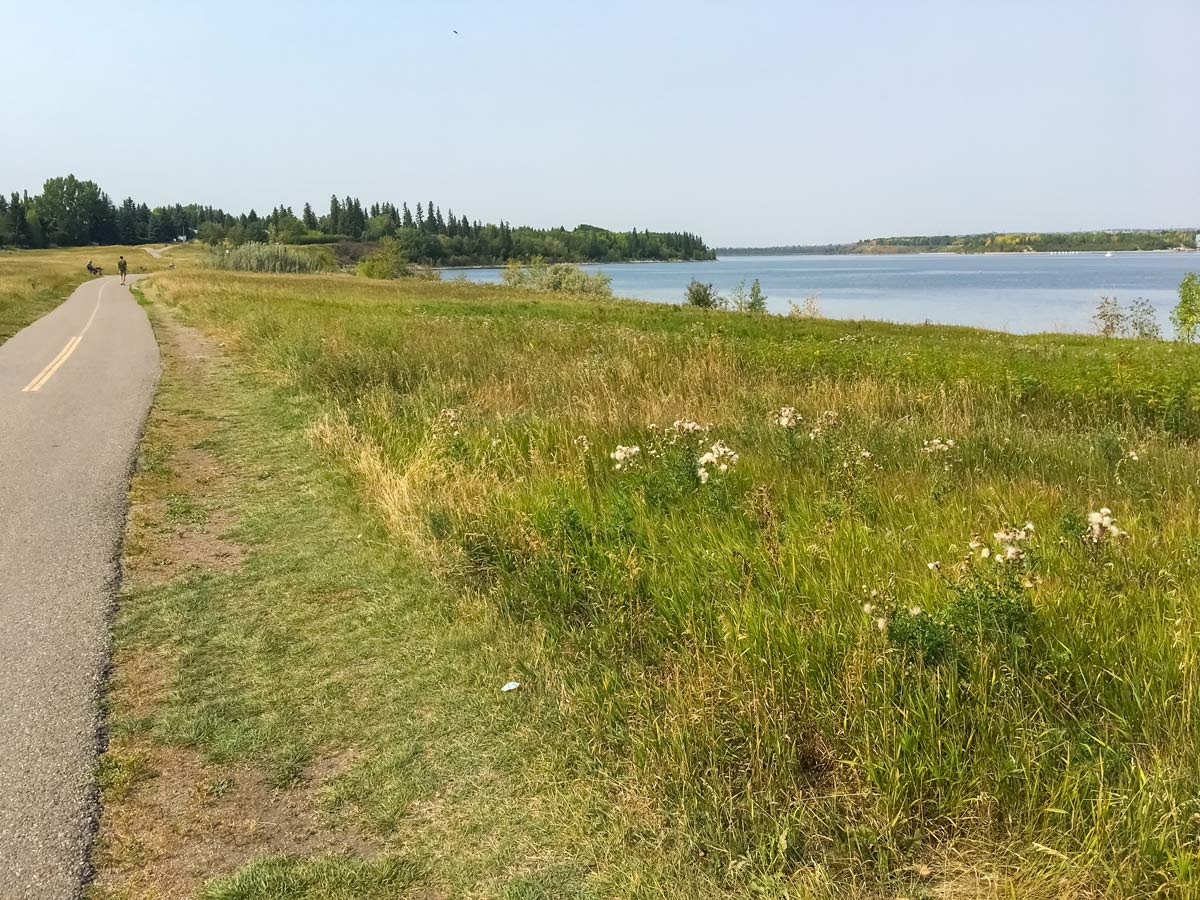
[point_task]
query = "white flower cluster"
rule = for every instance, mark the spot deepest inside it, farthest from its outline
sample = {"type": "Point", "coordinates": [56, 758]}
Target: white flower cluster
{"type": "Point", "coordinates": [687, 426]}
{"type": "Point", "coordinates": [624, 457]}
{"type": "Point", "coordinates": [937, 445]}
{"type": "Point", "coordinates": [786, 417]}
{"type": "Point", "coordinates": [1103, 527]}
{"type": "Point", "coordinates": [1010, 540]}
{"type": "Point", "coordinates": [718, 457]}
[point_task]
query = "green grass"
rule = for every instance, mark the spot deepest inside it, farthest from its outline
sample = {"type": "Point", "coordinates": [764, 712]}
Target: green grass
{"type": "Point", "coordinates": [34, 282]}
{"type": "Point", "coordinates": [326, 686]}
{"type": "Point", "coordinates": [1028, 729]}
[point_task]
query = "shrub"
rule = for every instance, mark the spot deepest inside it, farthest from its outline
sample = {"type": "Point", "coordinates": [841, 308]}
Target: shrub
{"type": "Point", "coordinates": [703, 296]}
{"type": "Point", "coordinates": [387, 260]}
{"type": "Point", "coordinates": [1186, 314]}
{"type": "Point", "coordinates": [758, 300]}
{"type": "Point", "coordinates": [810, 309]}
{"type": "Point", "coordinates": [1109, 318]}
{"type": "Point", "coordinates": [1143, 322]}
{"type": "Point", "coordinates": [560, 278]}
{"type": "Point", "coordinates": [258, 257]}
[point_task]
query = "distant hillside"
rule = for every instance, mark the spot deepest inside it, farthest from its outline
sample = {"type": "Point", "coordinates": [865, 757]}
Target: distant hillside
{"type": "Point", "coordinates": [994, 242]}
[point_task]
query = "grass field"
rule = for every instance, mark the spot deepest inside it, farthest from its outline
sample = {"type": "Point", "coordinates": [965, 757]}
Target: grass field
{"type": "Point", "coordinates": [33, 282]}
{"type": "Point", "coordinates": [836, 609]}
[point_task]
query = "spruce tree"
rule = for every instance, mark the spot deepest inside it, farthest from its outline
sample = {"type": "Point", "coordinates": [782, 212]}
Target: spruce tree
{"type": "Point", "coordinates": [335, 215]}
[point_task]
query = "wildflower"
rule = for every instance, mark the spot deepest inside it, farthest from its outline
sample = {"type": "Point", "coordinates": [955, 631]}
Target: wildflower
{"type": "Point", "coordinates": [933, 566]}
{"type": "Point", "coordinates": [582, 443]}
{"type": "Point", "coordinates": [718, 456]}
{"type": "Point", "coordinates": [1102, 526]}
{"type": "Point", "coordinates": [624, 456]}
{"type": "Point", "coordinates": [864, 454]}
{"type": "Point", "coordinates": [881, 624]}
{"type": "Point", "coordinates": [985, 552]}
{"type": "Point", "coordinates": [868, 608]}
{"type": "Point", "coordinates": [687, 426]}
{"type": "Point", "coordinates": [786, 417]}
{"type": "Point", "coordinates": [937, 445]}
{"type": "Point", "coordinates": [914, 610]}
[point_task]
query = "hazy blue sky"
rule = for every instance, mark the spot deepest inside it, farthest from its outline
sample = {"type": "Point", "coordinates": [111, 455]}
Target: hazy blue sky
{"type": "Point", "coordinates": [786, 122]}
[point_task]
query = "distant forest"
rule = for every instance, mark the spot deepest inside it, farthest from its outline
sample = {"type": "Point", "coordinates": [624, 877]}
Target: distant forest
{"type": "Point", "coordinates": [996, 242]}
{"type": "Point", "coordinates": [70, 213]}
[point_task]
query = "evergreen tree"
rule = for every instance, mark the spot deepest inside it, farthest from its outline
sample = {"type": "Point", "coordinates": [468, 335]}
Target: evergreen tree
{"type": "Point", "coordinates": [310, 218]}
{"type": "Point", "coordinates": [335, 215]}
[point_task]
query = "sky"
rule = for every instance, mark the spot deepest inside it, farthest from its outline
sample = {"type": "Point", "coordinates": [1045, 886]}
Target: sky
{"type": "Point", "coordinates": [765, 124]}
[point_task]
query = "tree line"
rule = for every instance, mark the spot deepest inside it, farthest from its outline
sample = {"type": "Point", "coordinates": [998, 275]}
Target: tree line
{"type": "Point", "coordinates": [993, 242]}
{"type": "Point", "coordinates": [73, 212]}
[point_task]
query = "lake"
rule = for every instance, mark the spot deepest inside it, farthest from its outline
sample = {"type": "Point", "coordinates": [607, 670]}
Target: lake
{"type": "Point", "coordinates": [1017, 292]}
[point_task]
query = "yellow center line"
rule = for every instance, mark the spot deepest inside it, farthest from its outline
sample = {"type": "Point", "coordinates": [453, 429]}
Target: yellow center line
{"type": "Point", "coordinates": [55, 364]}
{"type": "Point", "coordinates": [52, 366]}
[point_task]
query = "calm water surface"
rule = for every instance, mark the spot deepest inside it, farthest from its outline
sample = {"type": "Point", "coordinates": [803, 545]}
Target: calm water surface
{"type": "Point", "coordinates": [1017, 292]}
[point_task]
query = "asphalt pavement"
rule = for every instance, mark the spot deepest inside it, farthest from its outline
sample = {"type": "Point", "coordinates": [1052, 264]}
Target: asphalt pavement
{"type": "Point", "coordinates": [75, 388]}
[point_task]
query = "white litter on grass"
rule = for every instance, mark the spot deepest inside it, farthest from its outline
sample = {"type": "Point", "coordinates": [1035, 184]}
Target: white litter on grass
{"type": "Point", "coordinates": [511, 686]}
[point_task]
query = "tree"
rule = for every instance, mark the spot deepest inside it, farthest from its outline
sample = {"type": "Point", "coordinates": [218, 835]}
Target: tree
{"type": "Point", "coordinates": [212, 233]}
{"type": "Point", "coordinates": [379, 226]}
{"type": "Point", "coordinates": [309, 218]}
{"type": "Point", "coordinates": [335, 215]}
{"type": "Point", "coordinates": [1186, 314]}
{"type": "Point", "coordinates": [74, 212]}
{"type": "Point", "coordinates": [758, 300]}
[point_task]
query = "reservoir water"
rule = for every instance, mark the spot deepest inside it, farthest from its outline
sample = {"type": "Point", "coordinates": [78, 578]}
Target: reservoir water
{"type": "Point", "coordinates": [1017, 292]}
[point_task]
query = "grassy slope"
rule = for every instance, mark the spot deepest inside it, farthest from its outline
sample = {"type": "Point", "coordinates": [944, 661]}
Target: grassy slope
{"type": "Point", "coordinates": [1029, 728]}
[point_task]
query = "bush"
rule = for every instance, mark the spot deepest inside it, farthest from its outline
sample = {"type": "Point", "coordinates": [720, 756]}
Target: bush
{"type": "Point", "coordinates": [1109, 318]}
{"type": "Point", "coordinates": [387, 260]}
{"type": "Point", "coordinates": [1143, 322]}
{"type": "Point", "coordinates": [702, 296]}
{"type": "Point", "coordinates": [1186, 314]}
{"type": "Point", "coordinates": [560, 278]}
{"type": "Point", "coordinates": [258, 257]}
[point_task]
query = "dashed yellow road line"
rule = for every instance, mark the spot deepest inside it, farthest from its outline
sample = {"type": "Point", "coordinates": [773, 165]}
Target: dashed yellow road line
{"type": "Point", "coordinates": [55, 364]}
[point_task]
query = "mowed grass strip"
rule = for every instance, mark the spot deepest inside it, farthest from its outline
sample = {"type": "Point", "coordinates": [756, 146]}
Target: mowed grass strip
{"type": "Point", "coordinates": [779, 604]}
{"type": "Point", "coordinates": [299, 710]}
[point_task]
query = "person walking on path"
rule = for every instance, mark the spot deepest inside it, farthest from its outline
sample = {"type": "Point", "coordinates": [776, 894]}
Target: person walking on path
{"type": "Point", "coordinates": [122, 266]}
